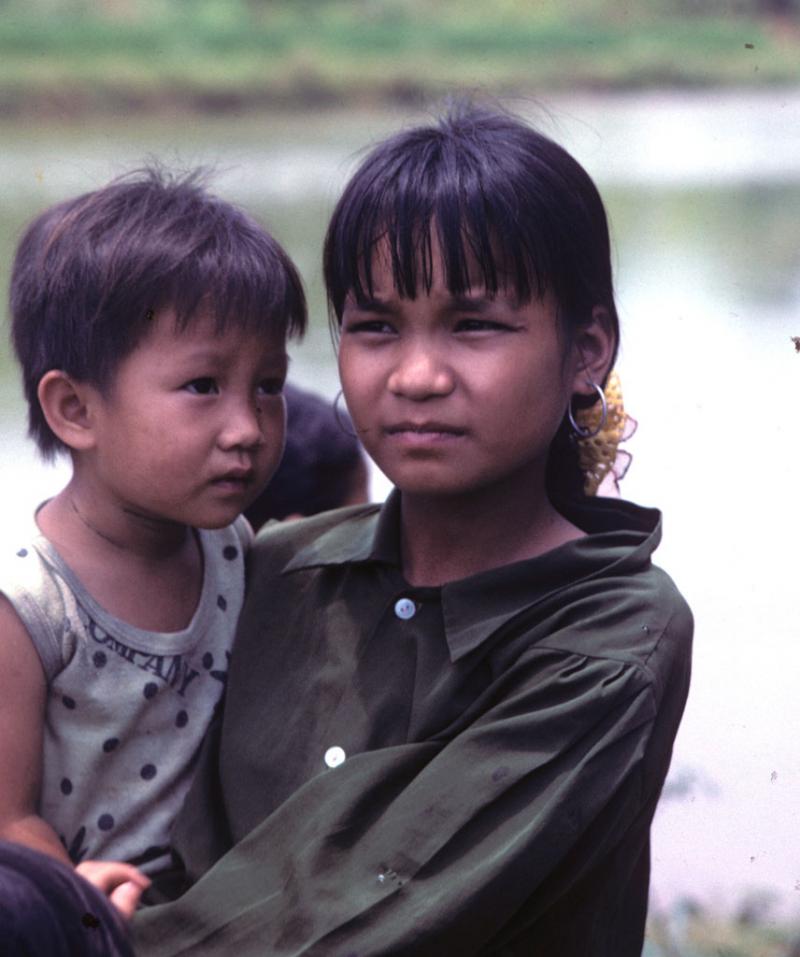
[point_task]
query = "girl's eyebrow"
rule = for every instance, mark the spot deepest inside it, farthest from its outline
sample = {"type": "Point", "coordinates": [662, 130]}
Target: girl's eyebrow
{"type": "Point", "coordinates": [368, 304]}
{"type": "Point", "coordinates": [456, 303]}
{"type": "Point", "coordinates": [470, 303]}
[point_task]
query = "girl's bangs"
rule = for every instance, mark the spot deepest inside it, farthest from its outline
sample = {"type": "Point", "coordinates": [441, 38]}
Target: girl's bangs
{"type": "Point", "coordinates": [475, 252]}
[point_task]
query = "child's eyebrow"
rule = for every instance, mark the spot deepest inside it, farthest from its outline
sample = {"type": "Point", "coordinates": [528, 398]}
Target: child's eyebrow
{"type": "Point", "coordinates": [210, 355]}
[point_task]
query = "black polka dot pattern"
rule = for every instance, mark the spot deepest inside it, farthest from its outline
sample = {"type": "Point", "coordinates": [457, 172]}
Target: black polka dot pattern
{"type": "Point", "coordinates": [112, 749]}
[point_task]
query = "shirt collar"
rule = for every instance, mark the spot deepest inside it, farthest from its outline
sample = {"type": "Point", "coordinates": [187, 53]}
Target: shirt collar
{"type": "Point", "coordinates": [620, 538]}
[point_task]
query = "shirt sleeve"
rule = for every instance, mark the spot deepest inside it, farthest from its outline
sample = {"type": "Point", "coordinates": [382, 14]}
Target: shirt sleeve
{"type": "Point", "coordinates": [439, 847]}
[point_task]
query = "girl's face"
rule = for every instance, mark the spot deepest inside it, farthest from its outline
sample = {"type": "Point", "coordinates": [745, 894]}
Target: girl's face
{"type": "Point", "coordinates": [452, 395]}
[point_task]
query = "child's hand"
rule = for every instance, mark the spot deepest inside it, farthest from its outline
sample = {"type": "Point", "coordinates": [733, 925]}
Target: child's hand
{"type": "Point", "coordinates": [122, 883]}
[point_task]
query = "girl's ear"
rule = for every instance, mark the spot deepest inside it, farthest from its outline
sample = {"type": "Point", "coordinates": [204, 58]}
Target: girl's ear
{"type": "Point", "coordinates": [594, 348]}
{"type": "Point", "coordinates": [64, 405]}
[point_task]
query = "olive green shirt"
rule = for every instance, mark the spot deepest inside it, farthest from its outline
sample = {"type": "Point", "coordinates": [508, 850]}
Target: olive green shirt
{"type": "Point", "coordinates": [464, 770]}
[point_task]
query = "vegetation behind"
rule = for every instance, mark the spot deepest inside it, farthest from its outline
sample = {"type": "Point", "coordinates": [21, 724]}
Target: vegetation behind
{"type": "Point", "coordinates": [78, 56]}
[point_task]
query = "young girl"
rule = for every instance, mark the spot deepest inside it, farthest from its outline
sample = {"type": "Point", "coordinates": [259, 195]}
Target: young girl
{"type": "Point", "coordinates": [449, 718]}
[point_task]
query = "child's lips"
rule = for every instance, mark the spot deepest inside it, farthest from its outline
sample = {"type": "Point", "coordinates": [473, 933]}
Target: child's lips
{"type": "Point", "coordinates": [235, 480]}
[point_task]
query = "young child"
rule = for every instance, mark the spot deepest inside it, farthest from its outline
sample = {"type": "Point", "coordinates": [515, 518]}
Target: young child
{"type": "Point", "coordinates": [449, 718]}
{"type": "Point", "coordinates": [149, 319]}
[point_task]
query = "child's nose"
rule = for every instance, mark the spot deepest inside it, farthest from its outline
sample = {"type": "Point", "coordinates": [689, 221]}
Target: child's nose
{"type": "Point", "coordinates": [421, 373]}
{"type": "Point", "coordinates": [242, 426]}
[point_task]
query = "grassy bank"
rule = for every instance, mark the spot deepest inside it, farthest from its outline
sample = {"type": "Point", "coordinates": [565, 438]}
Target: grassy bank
{"type": "Point", "coordinates": [64, 56]}
{"type": "Point", "coordinates": [702, 935]}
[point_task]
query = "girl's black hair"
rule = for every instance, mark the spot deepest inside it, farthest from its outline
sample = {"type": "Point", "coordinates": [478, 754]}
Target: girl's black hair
{"type": "Point", "coordinates": [510, 208]}
{"type": "Point", "coordinates": [90, 273]}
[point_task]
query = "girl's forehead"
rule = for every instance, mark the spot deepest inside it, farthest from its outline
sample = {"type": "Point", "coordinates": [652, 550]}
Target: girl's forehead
{"type": "Point", "coordinates": [396, 268]}
{"type": "Point", "coordinates": [385, 282]}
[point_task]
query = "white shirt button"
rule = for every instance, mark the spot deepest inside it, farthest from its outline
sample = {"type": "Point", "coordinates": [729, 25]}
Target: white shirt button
{"type": "Point", "coordinates": [405, 608]}
{"type": "Point", "coordinates": [334, 757]}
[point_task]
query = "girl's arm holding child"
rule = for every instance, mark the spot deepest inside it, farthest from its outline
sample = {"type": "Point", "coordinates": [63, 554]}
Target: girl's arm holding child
{"type": "Point", "coordinates": [23, 693]}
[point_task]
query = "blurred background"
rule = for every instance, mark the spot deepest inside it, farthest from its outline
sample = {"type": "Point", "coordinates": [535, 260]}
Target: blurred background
{"type": "Point", "coordinates": [687, 114]}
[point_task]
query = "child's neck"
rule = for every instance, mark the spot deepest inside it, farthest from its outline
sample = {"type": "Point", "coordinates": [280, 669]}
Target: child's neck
{"type": "Point", "coordinates": [143, 571]}
{"type": "Point", "coordinates": [78, 516]}
{"type": "Point", "coordinates": [448, 538]}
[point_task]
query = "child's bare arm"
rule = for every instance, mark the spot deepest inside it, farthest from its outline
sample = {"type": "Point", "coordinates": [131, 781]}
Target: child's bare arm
{"type": "Point", "coordinates": [23, 693]}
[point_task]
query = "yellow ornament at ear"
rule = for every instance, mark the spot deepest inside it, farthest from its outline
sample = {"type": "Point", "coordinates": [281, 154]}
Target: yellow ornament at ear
{"type": "Point", "coordinates": [599, 455]}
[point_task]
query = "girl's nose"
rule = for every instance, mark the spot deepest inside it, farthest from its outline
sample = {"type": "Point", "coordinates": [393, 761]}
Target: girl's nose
{"type": "Point", "coordinates": [420, 374]}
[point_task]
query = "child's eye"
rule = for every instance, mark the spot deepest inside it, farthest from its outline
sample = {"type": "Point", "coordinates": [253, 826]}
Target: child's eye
{"type": "Point", "coordinates": [202, 386]}
{"type": "Point", "coordinates": [271, 386]}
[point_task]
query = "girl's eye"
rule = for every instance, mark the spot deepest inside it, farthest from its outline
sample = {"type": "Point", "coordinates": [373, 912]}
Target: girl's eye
{"type": "Point", "coordinates": [375, 326]}
{"type": "Point", "coordinates": [480, 325]}
{"type": "Point", "coordinates": [202, 386]}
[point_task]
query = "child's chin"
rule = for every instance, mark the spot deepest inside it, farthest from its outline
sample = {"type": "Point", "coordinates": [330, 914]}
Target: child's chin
{"type": "Point", "coordinates": [219, 518]}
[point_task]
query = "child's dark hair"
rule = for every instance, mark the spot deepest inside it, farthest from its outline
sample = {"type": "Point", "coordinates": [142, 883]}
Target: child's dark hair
{"type": "Point", "coordinates": [510, 209]}
{"type": "Point", "coordinates": [90, 273]}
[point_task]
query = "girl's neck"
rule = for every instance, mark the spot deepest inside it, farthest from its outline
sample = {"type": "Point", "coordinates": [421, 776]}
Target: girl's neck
{"type": "Point", "coordinates": [447, 538]}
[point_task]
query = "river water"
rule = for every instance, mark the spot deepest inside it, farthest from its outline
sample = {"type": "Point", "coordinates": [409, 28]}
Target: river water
{"type": "Point", "coordinates": [703, 193]}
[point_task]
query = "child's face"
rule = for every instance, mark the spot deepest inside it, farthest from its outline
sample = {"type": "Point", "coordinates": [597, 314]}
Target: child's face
{"type": "Point", "coordinates": [454, 395]}
{"type": "Point", "coordinates": [193, 424]}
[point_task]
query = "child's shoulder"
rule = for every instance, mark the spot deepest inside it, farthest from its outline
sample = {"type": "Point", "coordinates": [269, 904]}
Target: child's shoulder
{"type": "Point", "coordinates": [23, 557]}
{"type": "Point", "coordinates": [30, 581]}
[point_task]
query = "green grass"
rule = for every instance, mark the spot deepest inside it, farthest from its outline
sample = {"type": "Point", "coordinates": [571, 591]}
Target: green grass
{"type": "Point", "coordinates": [364, 50]}
{"type": "Point", "coordinates": [709, 936]}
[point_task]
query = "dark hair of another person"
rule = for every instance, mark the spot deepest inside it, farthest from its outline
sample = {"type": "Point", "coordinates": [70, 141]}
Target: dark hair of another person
{"type": "Point", "coordinates": [511, 210]}
{"type": "Point", "coordinates": [90, 273]}
{"type": "Point", "coordinates": [47, 910]}
{"type": "Point", "coordinates": [320, 464]}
